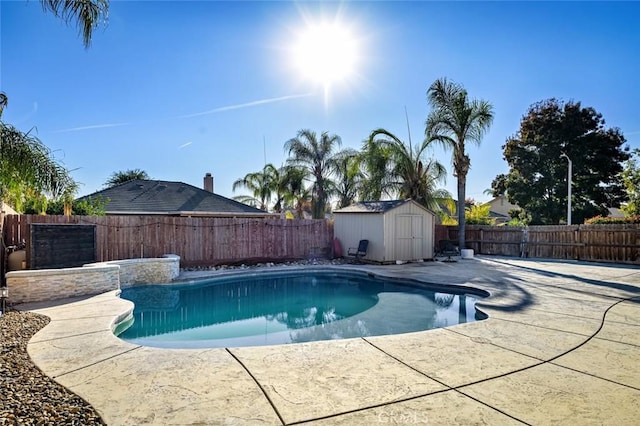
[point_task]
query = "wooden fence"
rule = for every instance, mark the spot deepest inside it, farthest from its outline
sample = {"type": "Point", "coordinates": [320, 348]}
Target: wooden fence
{"type": "Point", "coordinates": [198, 241]}
{"type": "Point", "coordinates": [214, 241]}
{"type": "Point", "coordinates": [605, 243]}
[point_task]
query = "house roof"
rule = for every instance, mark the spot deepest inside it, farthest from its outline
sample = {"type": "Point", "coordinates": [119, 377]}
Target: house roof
{"type": "Point", "coordinates": [375, 206]}
{"type": "Point", "coordinates": [6, 208]}
{"type": "Point", "coordinates": [498, 215]}
{"type": "Point", "coordinates": [169, 198]}
{"type": "Point", "coordinates": [615, 212]}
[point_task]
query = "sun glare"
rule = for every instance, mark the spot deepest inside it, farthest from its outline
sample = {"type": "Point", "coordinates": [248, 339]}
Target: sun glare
{"type": "Point", "coordinates": [326, 53]}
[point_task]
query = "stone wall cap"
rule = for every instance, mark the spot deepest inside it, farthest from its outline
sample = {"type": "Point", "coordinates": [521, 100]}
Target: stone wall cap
{"type": "Point", "coordinates": [123, 262]}
{"type": "Point", "coordinates": [64, 271]}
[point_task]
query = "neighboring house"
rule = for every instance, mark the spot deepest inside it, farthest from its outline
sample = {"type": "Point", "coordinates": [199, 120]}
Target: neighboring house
{"type": "Point", "coordinates": [499, 209]}
{"type": "Point", "coordinates": [615, 212]}
{"type": "Point", "coordinates": [159, 197]}
{"type": "Point", "coordinates": [6, 209]}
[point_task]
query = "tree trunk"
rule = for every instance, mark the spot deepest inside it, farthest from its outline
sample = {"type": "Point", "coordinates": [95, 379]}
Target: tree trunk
{"type": "Point", "coordinates": [462, 186]}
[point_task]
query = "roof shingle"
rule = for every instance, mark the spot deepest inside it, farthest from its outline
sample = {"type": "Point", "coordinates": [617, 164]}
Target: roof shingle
{"type": "Point", "coordinates": [371, 206]}
{"type": "Point", "coordinates": [166, 197]}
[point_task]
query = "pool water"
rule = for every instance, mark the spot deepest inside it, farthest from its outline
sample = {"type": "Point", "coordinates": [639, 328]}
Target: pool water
{"type": "Point", "coordinates": [277, 308]}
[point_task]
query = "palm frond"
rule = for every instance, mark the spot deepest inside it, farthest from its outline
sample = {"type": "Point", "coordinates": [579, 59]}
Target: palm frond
{"type": "Point", "coordinates": [88, 14]}
{"type": "Point", "coordinates": [4, 101]}
{"type": "Point", "coordinates": [315, 155]}
{"type": "Point", "coordinates": [25, 159]}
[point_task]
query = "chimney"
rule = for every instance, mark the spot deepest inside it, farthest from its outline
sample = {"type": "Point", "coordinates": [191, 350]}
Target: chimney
{"type": "Point", "coordinates": [208, 182]}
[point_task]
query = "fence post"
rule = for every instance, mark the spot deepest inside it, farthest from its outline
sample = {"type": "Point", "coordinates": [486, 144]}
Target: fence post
{"type": "Point", "coordinates": [480, 243]}
{"type": "Point", "coordinates": [523, 243]}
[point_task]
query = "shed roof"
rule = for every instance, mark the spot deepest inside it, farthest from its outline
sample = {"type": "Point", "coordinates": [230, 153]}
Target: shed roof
{"type": "Point", "coordinates": [376, 206]}
{"type": "Point", "coordinates": [169, 198]}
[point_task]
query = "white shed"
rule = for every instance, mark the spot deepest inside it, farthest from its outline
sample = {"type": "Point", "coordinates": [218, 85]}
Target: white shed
{"type": "Point", "coordinates": [396, 230]}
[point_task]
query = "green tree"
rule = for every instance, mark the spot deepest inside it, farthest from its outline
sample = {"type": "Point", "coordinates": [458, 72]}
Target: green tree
{"type": "Point", "coordinates": [120, 177]}
{"type": "Point", "coordinates": [91, 206]}
{"type": "Point", "coordinates": [279, 189]}
{"type": "Point", "coordinates": [537, 178]}
{"type": "Point", "coordinates": [294, 193]}
{"type": "Point", "coordinates": [455, 121]}
{"type": "Point", "coordinates": [315, 155]}
{"type": "Point", "coordinates": [478, 214]}
{"type": "Point", "coordinates": [348, 177]}
{"type": "Point", "coordinates": [376, 164]}
{"type": "Point", "coordinates": [262, 185]}
{"type": "Point", "coordinates": [498, 186]}
{"type": "Point", "coordinates": [631, 181]}
{"type": "Point", "coordinates": [519, 218]}
{"type": "Point", "coordinates": [410, 174]}
{"type": "Point", "coordinates": [87, 14]}
{"type": "Point", "coordinates": [27, 165]}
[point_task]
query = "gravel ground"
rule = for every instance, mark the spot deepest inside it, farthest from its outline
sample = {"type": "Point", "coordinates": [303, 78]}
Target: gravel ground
{"type": "Point", "coordinates": [27, 396]}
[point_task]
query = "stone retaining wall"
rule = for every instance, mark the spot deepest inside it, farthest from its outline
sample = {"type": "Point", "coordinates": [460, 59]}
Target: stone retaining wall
{"type": "Point", "coordinates": [147, 271]}
{"type": "Point", "coordinates": [94, 278]}
{"type": "Point", "coordinates": [51, 284]}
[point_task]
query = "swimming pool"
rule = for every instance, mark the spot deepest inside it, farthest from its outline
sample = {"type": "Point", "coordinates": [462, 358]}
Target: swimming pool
{"type": "Point", "coordinates": [270, 308]}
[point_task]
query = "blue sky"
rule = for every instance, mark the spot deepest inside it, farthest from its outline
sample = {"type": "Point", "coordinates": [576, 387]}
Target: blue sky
{"type": "Point", "coordinates": [179, 89]}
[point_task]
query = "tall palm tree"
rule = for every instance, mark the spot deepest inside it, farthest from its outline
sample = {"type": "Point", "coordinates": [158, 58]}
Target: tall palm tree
{"type": "Point", "coordinates": [376, 164]}
{"type": "Point", "coordinates": [454, 121]}
{"type": "Point", "coordinates": [88, 14]}
{"type": "Point", "coordinates": [410, 174]}
{"type": "Point", "coordinates": [124, 176]}
{"type": "Point", "coordinates": [294, 192]}
{"type": "Point", "coordinates": [261, 184]}
{"type": "Point", "coordinates": [315, 155]}
{"type": "Point", "coordinates": [348, 177]}
{"type": "Point", "coordinates": [279, 189]}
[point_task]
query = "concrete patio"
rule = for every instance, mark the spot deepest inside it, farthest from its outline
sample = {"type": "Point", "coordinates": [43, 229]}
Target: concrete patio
{"type": "Point", "coordinates": [561, 346]}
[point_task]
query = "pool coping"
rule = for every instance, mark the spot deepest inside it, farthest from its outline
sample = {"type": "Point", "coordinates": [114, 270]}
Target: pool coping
{"type": "Point", "coordinates": [560, 343]}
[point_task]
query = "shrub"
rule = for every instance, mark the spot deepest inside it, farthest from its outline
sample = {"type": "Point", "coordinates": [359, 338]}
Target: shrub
{"type": "Point", "coordinates": [478, 214]}
{"type": "Point", "coordinates": [599, 220]}
{"type": "Point", "coordinates": [85, 207]}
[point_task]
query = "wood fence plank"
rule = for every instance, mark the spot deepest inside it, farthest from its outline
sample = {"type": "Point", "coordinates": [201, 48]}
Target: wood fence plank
{"type": "Point", "coordinates": [618, 243]}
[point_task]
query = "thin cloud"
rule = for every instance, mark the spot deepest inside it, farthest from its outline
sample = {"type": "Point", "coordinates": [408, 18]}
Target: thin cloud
{"type": "Point", "coordinates": [96, 126]}
{"type": "Point", "coordinates": [184, 145]}
{"type": "Point", "coordinates": [248, 104]}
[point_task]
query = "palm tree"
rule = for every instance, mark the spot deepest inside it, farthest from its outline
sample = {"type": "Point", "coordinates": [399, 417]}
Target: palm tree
{"type": "Point", "coordinates": [348, 180]}
{"type": "Point", "coordinates": [4, 101]}
{"type": "Point", "coordinates": [409, 174]}
{"type": "Point", "coordinates": [279, 189]}
{"type": "Point", "coordinates": [454, 121]}
{"type": "Point", "coordinates": [27, 164]}
{"type": "Point", "coordinates": [376, 164]}
{"type": "Point", "coordinates": [261, 184]}
{"type": "Point", "coordinates": [293, 190]}
{"type": "Point", "coordinates": [120, 177]}
{"type": "Point", "coordinates": [28, 167]}
{"type": "Point", "coordinates": [88, 14]}
{"type": "Point", "coordinates": [316, 157]}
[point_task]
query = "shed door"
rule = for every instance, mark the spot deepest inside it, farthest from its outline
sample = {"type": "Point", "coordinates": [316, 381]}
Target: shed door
{"type": "Point", "coordinates": [409, 236]}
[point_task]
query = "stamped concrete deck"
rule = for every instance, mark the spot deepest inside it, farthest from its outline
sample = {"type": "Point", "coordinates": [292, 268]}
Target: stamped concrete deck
{"type": "Point", "coordinates": [561, 346]}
